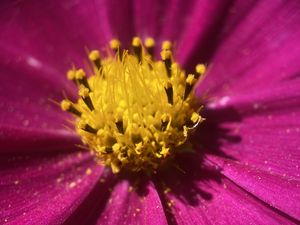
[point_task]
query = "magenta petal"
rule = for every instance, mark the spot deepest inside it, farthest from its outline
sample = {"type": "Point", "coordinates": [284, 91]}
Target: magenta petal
{"type": "Point", "coordinates": [27, 88]}
{"type": "Point", "coordinates": [121, 20]}
{"type": "Point", "coordinates": [145, 17]}
{"type": "Point", "coordinates": [269, 129]}
{"type": "Point", "coordinates": [255, 73]}
{"type": "Point", "coordinates": [197, 193]}
{"type": "Point", "coordinates": [29, 120]}
{"type": "Point", "coordinates": [18, 139]}
{"type": "Point", "coordinates": [257, 52]}
{"type": "Point", "coordinates": [55, 33]}
{"type": "Point", "coordinates": [267, 152]}
{"type": "Point", "coordinates": [200, 28]}
{"type": "Point", "coordinates": [229, 205]}
{"type": "Point", "coordinates": [46, 188]}
{"type": "Point", "coordinates": [278, 190]}
{"type": "Point", "coordinates": [125, 206]}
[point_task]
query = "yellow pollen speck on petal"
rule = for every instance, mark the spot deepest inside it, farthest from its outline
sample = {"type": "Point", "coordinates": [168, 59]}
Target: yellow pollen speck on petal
{"type": "Point", "coordinates": [133, 111]}
{"type": "Point", "coordinates": [72, 185]}
{"type": "Point", "coordinates": [167, 190]}
{"type": "Point", "coordinates": [88, 171]}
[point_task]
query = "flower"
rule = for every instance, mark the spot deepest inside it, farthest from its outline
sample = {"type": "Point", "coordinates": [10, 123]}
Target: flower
{"type": "Point", "coordinates": [245, 168]}
{"type": "Point", "coordinates": [135, 112]}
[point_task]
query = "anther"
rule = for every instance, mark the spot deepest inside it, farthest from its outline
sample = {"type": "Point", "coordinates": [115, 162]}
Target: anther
{"type": "Point", "coordinates": [194, 121]}
{"type": "Point", "coordinates": [150, 44]}
{"type": "Point", "coordinates": [166, 45]}
{"type": "Point", "coordinates": [81, 78]}
{"type": "Point", "coordinates": [164, 122]}
{"type": "Point", "coordinates": [119, 125]}
{"type": "Point", "coordinates": [94, 56]}
{"type": "Point", "coordinates": [115, 44]}
{"type": "Point", "coordinates": [137, 47]}
{"type": "Point", "coordinates": [200, 70]}
{"type": "Point", "coordinates": [66, 105]}
{"type": "Point", "coordinates": [85, 95]}
{"type": "Point", "coordinates": [166, 57]}
{"type": "Point", "coordinates": [190, 81]}
{"type": "Point", "coordinates": [108, 150]}
{"type": "Point", "coordinates": [88, 128]}
{"type": "Point", "coordinates": [71, 75]}
{"type": "Point", "coordinates": [169, 92]}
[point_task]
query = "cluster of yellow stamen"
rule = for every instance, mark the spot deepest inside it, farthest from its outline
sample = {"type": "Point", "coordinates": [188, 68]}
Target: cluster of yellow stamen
{"type": "Point", "coordinates": [134, 112]}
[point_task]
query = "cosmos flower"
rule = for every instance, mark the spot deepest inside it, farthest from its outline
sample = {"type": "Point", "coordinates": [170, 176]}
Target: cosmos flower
{"type": "Point", "coordinates": [244, 165]}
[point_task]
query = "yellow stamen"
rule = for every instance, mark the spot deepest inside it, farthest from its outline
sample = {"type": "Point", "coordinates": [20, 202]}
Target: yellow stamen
{"type": "Point", "coordinates": [94, 55]}
{"type": "Point", "coordinates": [65, 105]}
{"type": "Point", "coordinates": [166, 45]}
{"type": "Point", "coordinates": [137, 47]}
{"type": "Point", "coordinates": [115, 44]}
{"type": "Point", "coordinates": [71, 75]}
{"type": "Point", "coordinates": [166, 57]}
{"type": "Point", "coordinates": [195, 117]}
{"type": "Point", "coordinates": [136, 42]}
{"type": "Point", "coordinates": [166, 54]}
{"type": "Point", "coordinates": [200, 69]}
{"type": "Point", "coordinates": [149, 43]}
{"type": "Point", "coordinates": [80, 74]}
{"type": "Point", "coordinates": [134, 114]}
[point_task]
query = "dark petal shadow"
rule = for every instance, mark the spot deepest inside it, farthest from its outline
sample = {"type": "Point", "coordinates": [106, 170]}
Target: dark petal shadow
{"type": "Point", "coordinates": [212, 134]}
{"type": "Point", "coordinates": [89, 210]}
{"type": "Point", "coordinates": [205, 47]}
{"type": "Point", "coordinates": [214, 36]}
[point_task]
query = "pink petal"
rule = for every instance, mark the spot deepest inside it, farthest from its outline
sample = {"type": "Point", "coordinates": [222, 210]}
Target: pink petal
{"type": "Point", "coordinates": [29, 120]}
{"type": "Point", "coordinates": [229, 205]}
{"type": "Point", "coordinates": [268, 147]}
{"type": "Point", "coordinates": [46, 188]}
{"type": "Point", "coordinates": [253, 105]}
{"type": "Point", "coordinates": [54, 33]}
{"type": "Point", "coordinates": [188, 24]}
{"type": "Point", "coordinates": [197, 37]}
{"type": "Point", "coordinates": [263, 137]}
{"type": "Point", "coordinates": [277, 190]}
{"type": "Point", "coordinates": [126, 206]}
{"type": "Point", "coordinates": [266, 124]}
{"type": "Point", "coordinates": [199, 194]}
{"type": "Point", "coordinates": [257, 52]}
{"type": "Point", "coordinates": [146, 21]}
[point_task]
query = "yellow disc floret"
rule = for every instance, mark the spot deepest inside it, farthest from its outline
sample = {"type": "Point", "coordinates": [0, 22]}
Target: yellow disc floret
{"type": "Point", "coordinates": [134, 112]}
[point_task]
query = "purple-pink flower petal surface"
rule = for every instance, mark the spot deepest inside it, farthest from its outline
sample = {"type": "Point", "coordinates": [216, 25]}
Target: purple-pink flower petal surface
{"type": "Point", "coordinates": [245, 169]}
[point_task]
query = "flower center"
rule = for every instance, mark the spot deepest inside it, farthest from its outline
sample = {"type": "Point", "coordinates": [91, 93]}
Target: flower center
{"type": "Point", "coordinates": [134, 112]}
